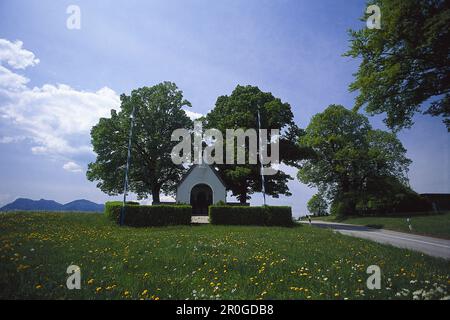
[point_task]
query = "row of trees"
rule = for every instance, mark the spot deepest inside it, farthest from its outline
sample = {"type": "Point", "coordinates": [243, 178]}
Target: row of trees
{"type": "Point", "coordinates": [405, 67]}
{"type": "Point", "coordinates": [159, 112]}
{"type": "Point", "coordinates": [355, 167]}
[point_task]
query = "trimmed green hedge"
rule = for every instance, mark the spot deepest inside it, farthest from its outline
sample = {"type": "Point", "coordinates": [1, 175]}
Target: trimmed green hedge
{"type": "Point", "coordinates": [148, 216]}
{"type": "Point", "coordinates": [258, 216]}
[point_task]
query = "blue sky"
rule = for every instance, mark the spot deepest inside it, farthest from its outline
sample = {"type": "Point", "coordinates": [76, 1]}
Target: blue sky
{"type": "Point", "coordinates": [69, 78]}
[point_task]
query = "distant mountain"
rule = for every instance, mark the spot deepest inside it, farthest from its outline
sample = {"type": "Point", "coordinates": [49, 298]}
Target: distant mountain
{"type": "Point", "coordinates": [28, 204]}
{"type": "Point", "coordinates": [50, 205]}
{"type": "Point", "coordinates": [83, 205]}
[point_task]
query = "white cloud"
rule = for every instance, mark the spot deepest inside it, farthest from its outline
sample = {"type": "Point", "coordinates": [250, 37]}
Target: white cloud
{"type": "Point", "coordinates": [56, 118]}
{"type": "Point", "coordinates": [10, 81]}
{"type": "Point", "coordinates": [15, 56]}
{"type": "Point", "coordinates": [72, 167]}
{"type": "Point", "coordinates": [7, 139]}
{"type": "Point", "coordinates": [193, 115]}
{"type": "Point", "coordinates": [162, 198]}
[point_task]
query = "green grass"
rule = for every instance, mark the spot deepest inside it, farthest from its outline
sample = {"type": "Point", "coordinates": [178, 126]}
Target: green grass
{"type": "Point", "coordinates": [201, 262]}
{"type": "Point", "coordinates": [437, 225]}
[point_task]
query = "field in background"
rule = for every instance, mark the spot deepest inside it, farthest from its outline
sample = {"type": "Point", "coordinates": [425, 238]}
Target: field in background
{"type": "Point", "coordinates": [436, 225]}
{"type": "Point", "coordinates": [202, 262]}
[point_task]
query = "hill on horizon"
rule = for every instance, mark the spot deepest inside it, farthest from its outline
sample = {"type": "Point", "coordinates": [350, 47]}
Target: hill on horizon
{"type": "Point", "coordinates": [51, 205]}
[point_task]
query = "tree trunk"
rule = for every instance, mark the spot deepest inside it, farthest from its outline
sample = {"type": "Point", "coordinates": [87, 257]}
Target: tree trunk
{"type": "Point", "coordinates": [346, 195]}
{"type": "Point", "coordinates": [243, 197]}
{"type": "Point", "coordinates": [155, 194]}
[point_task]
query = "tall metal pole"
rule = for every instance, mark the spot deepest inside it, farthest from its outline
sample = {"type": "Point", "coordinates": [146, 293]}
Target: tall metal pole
{"type": "Point", "coordinates": [125, 183]}
{"type": "Point", "coordinates": [260, 159]}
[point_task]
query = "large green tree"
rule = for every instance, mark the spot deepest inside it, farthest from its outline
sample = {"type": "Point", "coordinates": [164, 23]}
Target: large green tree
{"type": "Point", "coordinates": [239, 111]}
{"type": "Point", "coordinates": [157, 113]}
{"type": "Point", "coordinates": [349, 156]}
{"type": "Point", "coordinates": [405, 65]}
{"type": "Point", "coordinates": [317, 205]}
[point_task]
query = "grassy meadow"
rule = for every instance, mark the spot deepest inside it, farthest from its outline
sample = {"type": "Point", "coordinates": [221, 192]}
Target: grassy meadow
{"type": "Point", "coordinates": [435, 225]}
{"type": "Point", "coordinates": [202, 262]}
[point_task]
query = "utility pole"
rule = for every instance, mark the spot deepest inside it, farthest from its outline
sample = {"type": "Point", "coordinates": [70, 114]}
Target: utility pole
{"type": "Point", "coordinates": [127, 167]}
{"type": "Point", "coordinates": [260, 159]}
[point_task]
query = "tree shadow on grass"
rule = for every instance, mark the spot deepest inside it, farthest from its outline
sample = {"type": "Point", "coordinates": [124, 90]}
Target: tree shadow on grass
{"type": "Point", "coordinates": [374, 226]}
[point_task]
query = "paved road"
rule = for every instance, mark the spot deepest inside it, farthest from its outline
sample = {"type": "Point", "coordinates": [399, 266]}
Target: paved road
{"type": "Point", "coordinates": [428, 245]}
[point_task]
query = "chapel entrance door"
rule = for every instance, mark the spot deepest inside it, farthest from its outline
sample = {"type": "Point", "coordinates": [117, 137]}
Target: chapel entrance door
{"type": "Point", "coordinates": [201, 199]}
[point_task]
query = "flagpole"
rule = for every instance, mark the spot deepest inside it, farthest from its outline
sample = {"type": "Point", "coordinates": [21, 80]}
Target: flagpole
{"type": "Point", "coordinates": [127, 167]}
{"type": "Point", "coordinates": [260, 159]}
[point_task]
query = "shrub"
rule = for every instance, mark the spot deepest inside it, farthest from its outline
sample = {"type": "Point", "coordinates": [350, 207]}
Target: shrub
{"type": "Point", "coordinates": [243, 215]}
{"type": "Point", "coordinates": [279, 216]}
{"type": "Point", "coordinates": [413, 202]}
{"type": "Point", "coordinates": [147, 216]}
{"type": "Point", "coordinates": [377, 205]}
{"type": "Point", "coordinates": [388, 195]}
{"type": "Point", "coordinates": [112, 210]}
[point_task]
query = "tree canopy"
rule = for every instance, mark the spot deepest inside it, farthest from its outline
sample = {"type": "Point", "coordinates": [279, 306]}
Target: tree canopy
{"type": "Point", "coordinates": [157, 113]}
{"type": "Point", "coordinates": [405, 65]}
{"type": "Point", "coordinates": [349, 156]}
{"type": "Point", "coordinates": [239, 111]}
{"type": "Point", "coordinates": [317, 205]}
